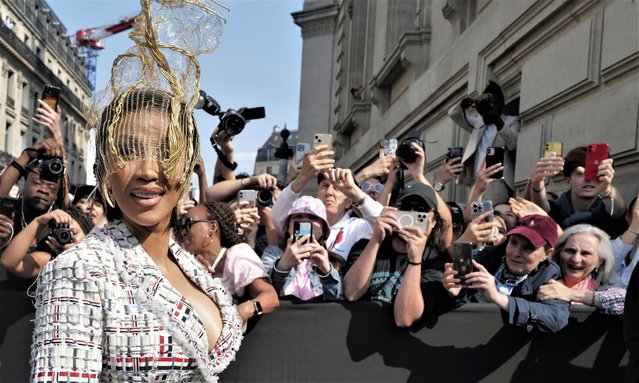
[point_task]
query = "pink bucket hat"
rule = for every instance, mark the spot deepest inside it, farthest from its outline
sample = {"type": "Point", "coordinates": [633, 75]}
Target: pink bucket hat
{"type": "Point", "coordinates": [310, 206]}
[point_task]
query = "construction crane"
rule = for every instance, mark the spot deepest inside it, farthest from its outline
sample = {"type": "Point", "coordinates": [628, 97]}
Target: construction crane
{"type": "Point", "coordinates": [89, 43]}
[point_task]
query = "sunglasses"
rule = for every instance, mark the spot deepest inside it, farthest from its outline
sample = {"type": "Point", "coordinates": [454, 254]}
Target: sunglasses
{"type": "Point", "coordinates": [366, 186]}
{"type": "Point", "coordinates": [187, 222]}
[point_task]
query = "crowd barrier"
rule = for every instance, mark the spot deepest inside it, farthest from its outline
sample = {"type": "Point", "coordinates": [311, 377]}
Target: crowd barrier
{"type": "Point", "coordinates": [358, 342]}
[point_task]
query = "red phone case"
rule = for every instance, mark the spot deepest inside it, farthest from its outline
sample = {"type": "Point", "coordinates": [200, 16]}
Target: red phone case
{"type": "Point", "coordinates": [595, 154]}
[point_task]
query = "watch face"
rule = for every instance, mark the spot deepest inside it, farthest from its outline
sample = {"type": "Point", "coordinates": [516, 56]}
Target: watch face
{"type": "Point", "coordinates": [438, 187]}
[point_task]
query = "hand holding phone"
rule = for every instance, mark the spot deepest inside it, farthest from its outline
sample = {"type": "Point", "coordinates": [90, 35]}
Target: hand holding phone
{"type": "Point", "coordinates": [323, 139]}
{"type": "Point", "coordinates": [595, 154]}
{"type": "Point", "coordinates": [412, 218]}
{"type": "Point", "coordinates": [302, 228]}
{"type": "Point", "coordinates": [8, 206]}
{"type": "Point", "coordinates": [462, 255]}
{"type": "Point", "coordinates": [553, 149]}
{"type": "Point", "coordinates": [50, 96]}
{"type": "Point", "coordinates": [495, 155]}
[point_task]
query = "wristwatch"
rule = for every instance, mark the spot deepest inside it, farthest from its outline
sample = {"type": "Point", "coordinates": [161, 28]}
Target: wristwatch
{"type": "Point", "coordinates": [438, 186]}
{"type": "Point", "coordinates": [257, 306]}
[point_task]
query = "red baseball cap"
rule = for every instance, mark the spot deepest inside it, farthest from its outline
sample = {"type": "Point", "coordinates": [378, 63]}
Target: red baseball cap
{"type": "Point", "coordinates": [538, 229]}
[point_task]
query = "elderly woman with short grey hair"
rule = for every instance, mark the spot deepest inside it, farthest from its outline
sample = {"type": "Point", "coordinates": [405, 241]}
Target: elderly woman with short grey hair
{"type": "Point", "coordinates": [585, 256]}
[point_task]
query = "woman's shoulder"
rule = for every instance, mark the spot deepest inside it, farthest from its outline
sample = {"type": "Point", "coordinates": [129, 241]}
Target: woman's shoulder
{"type": "Point", "coordinates": [242, 250]}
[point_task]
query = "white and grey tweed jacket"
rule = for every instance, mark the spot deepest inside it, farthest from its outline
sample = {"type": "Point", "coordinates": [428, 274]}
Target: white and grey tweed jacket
{"type": "Point", "coordinates": [105, 313]}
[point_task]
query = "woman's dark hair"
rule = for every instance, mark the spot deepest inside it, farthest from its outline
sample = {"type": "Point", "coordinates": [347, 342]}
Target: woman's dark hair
{"type": "Point", "coordinates": [437, 239]}
{"type": "Point", "coordinates": [225, 218]}
{"type": "Point", "coordinates": [85, 223]}
{"type": "Point", "coordinates": [576, 157]}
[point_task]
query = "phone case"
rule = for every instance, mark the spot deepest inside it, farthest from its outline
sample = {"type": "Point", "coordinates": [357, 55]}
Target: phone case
{"type": "Point", "coordinates": [495, 155]}
{"type": "Point", "coordinates": [302, 228]}
{"type": "Point", "coordinates": [595, 154]}
{"type": "Point", "coordinates": [8, 206]}
{"type": "Point", "coordinates": [479, 207]}
{"type": "Point", "coordinates": [388, 148]}
{"type": "Point", "coordinates": [412, 218]}
{"type": "Point", "coordinates": [247, 195]}
{"type": "Point", "coordinates": [553, 149]}
{"type": "Point", "coordinates": [300, 149]}
{"type": "Point", "coordinates": [51, 95]}
{"type": "Point", "coordinates": [323, 139]}
{"type": "Point", "coordinates": [462, 255]}
{"type": "Point", "coordinates": [454, 152]}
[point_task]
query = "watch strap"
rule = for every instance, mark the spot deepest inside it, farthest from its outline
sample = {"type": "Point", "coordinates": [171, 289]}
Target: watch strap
{"type": "Point", "coordinates": [257, 306]}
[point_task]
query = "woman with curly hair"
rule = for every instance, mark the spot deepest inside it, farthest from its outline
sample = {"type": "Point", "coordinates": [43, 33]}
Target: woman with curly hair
{"type": "Point", "coordinates": [210, 233]}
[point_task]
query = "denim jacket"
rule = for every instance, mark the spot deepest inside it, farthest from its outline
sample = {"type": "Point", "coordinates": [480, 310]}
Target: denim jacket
{"type": "Point", "coordinates": [331, 286]}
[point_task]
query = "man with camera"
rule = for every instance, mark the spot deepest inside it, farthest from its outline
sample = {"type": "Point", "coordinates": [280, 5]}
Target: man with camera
{"type": "Point", "coordinates": [482, 116]}
{"type": "Point", "coordinates": [42, 167]}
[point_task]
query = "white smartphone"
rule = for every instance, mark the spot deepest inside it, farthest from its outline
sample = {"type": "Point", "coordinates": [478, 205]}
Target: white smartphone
{"type": "Point", "coordinates": [323, 139]}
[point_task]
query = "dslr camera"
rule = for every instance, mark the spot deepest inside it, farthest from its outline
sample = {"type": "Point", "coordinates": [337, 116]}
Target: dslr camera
{"type": "Point", "coordinates": [51, 169]}
{"type": "Point", "coordinates": [265, 197]}
{"type": "Point", "coordinates": [406, 153]}
{"type": "Point", "coordinates": [231, 121]}
{"type": "Point", "coordinates": [62, 233]}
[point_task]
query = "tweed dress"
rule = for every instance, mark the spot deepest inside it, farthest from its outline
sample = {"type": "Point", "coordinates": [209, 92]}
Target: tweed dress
{"type": "Point", "coordinates": [105, 313]}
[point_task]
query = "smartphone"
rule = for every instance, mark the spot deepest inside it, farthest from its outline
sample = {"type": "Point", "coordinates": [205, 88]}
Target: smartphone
{"type": "Point", "coordinates": [462, 260]}
{"type": "Point", "coordinates": [254, 113]}
{"type": "Point", "coordinates": [8, 206]}
{"type": "Point", "coordinates": [388, 147]}
{"type": "Point", "coordinates": [412, 218]}
{"type": "Point", "coordinates": [247, 195]}
{"type": "Point", "coordinates": [480, 207]}
{"type": "Point", "coordinates": [495, 155]}
{"type": "Point", "coordinates": [302, 228]}
{"type": "Point", "coordinates": [553, 149]}
{"type": "Point", "coordinates": [300, 149]}
{"type": "Point", "coordinates": [595, 154]}
{"type": "Point", "coordinates": [323, 139]}
{"type": "Point", "coordinates": [454, 152]}
{"type": "Point", "coordinates": [51, 95]}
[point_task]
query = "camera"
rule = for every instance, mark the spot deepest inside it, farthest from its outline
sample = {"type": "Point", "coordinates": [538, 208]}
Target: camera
{"type": "Point", "coordinates": [61, 233]}
{"type": "Point", "coordinates": [265, 197]}
{"type": "Point", "coordinates": [51, 169]}
{"type": "Point", "coordinates": [231, 121]}
{"type": "Point", "coordinates": [406, 153]}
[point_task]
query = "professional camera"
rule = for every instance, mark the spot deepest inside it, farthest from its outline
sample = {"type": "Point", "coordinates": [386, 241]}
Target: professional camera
{"type": "Point", "coordinates": [61, 233]}
{"type": "Point", "coordinates": [265, 197]}
{"type": "Point", "coordinates": [51, 169]}
{"type": "Point", "coordinates": [405, 152]}
{"type": "Point", "coordinates": [231, 121]}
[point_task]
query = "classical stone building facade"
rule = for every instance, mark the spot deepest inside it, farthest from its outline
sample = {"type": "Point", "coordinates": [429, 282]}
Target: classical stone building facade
{"type": "Point", "coordinates": [34, 51]}
{"type": "Point", "coordinates": [379, 69]}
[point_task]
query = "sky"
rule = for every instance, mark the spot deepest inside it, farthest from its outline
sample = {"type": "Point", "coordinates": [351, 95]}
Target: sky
{"type": "Point", "coordinates": [258, 63]}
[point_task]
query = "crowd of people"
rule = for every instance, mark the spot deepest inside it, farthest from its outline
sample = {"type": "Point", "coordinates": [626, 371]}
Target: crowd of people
{"type": "Point", "coordinates": [137, 244]}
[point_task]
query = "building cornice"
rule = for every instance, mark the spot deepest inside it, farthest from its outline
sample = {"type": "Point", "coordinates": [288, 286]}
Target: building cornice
{"type": "Point", "coordinates": [317, 21]}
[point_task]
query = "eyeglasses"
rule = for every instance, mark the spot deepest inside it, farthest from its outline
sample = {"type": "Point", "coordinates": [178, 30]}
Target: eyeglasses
{"type": "Point", "coordinates": [366, 186]}
{"type": "Point", "coordinates": [186, 223]}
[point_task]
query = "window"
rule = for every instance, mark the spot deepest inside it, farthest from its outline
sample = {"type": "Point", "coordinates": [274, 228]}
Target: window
{"type": "Point", "coordinates": [269, 170]}
{"type": "Point", "coordinates": [11, 92]}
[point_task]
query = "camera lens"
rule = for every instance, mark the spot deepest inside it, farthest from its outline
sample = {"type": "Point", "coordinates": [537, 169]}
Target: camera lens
{"type": "Point", "coordinates": [233, 123]}
{"type": "Point", "coordinates": [265, 197]}
{"type": "Point", "coordinates": [62, 235]}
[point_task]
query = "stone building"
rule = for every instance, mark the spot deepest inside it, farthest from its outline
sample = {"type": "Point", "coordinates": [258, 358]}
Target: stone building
{"type": "Point", "coordinates": [34, 51]}
{"type": "Point", "coordinates": [266, 161]}
{"type": "Point", "coordinates": [379, 69]}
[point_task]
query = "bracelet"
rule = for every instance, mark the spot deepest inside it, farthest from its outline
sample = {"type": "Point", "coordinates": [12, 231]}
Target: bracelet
{"type": "Point", "coordinates": [257, 307]}
{"type": "Point", "coordinates": [327, 274]}
{"type": "Point", "coordinates": [532, 187]}
{"type": "Point", "coordinates": [414, 263]}
{"type": "Point", "coordinates": [361, 201]}
{"type": "Point", "coordinates": [278, 270]}
{"type": "Point", "coordinates": [19, 168]}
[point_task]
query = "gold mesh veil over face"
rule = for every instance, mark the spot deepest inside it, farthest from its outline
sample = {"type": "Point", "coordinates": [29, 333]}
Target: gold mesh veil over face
{"type": "Point", "coordinates": [146, 111]}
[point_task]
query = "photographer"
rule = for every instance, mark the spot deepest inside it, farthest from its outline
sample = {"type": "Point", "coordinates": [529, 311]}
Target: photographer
{"type": "Point", "coordinates": [44, 187]}
{"type": "Point", "coordinates": [88, 199]}
{"type": "Point", "coordinates": [56, 231]}
{"type": "Point", "coordinates": [403, 265]}
{"type": "Point", "coordinates": [482, 116]}
{"type": "Point", "coordinates": [228, 189]}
